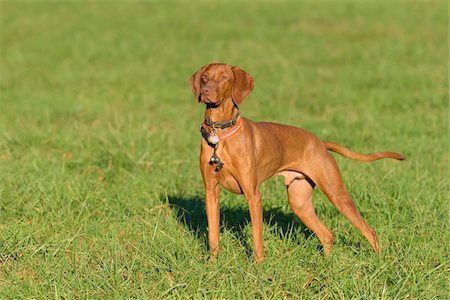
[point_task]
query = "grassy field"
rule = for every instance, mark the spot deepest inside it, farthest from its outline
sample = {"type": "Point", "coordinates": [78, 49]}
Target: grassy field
{"type": "Point", "coordinates": [100, 191]}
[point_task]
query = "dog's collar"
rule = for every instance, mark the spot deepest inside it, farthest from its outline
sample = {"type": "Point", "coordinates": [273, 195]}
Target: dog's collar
{"type": "Point", "coordinates": [223, 124]}
{"type": "Point", "coordinates": [214, 138]}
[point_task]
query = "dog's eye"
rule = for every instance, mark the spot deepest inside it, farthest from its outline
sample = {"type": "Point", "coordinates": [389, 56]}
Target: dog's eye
{"type": "Point", "coordinates": [223, 77]}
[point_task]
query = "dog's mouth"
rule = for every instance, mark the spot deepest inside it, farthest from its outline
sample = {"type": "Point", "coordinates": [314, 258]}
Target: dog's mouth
{"type": "Point", "coordinates": [209, 100]}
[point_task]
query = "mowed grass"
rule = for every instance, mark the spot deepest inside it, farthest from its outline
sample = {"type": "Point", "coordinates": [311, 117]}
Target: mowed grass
{"type": "Point", "coordinates": [100, 190]}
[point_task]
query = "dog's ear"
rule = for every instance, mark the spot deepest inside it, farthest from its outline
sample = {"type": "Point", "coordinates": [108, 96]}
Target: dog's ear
{"type": "Point", "coordinates": [195, 80]}
{"type": "Point", "coordinates": [243, 85]}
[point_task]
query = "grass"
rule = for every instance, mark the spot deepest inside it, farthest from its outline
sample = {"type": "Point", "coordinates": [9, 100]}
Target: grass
{"type": "Point", "coordinates": [100, 192]}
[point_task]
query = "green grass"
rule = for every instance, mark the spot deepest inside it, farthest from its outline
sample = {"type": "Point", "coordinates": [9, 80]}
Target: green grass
{"type": "Point", "coordinates": [100, 191]}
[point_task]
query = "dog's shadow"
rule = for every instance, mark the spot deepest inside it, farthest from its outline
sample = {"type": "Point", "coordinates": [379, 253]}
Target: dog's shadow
{"type": "Point", "coordinates": [190, 211]}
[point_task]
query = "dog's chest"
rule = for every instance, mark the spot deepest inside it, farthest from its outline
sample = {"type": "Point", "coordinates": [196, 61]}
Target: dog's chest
{"type": "Point", "coordinates": [227, 174]}
{"type": "Point", "coordinates": [228, 181]}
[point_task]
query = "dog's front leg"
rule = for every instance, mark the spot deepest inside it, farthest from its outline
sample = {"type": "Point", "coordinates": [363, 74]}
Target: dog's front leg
{"type": "Point", "coordinates": [256, 217]}
{"type": "Point", "coordinates": [213, 215]}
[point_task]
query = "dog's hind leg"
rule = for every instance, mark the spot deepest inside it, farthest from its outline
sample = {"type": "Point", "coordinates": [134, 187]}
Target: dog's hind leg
{"type": "Point", "coordinates": [327, 176]}
{"type": "Point", "coordinates": [300, 199]}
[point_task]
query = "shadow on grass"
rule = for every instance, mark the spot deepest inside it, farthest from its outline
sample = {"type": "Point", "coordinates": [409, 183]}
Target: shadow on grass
{"type": "Point", "coordinates": [191, 213]}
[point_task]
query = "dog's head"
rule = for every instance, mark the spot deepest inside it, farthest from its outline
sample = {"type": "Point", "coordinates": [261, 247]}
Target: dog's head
{"type": "Point", "coordinates": [215, 83]}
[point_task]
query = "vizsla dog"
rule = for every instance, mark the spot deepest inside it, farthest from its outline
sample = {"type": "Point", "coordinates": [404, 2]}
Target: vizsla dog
{"type": "Point", "coordinates": [239, 154]}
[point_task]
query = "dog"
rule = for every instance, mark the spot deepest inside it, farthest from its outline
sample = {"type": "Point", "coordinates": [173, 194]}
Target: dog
{"type": "Point", "coordinates": [239, 154]}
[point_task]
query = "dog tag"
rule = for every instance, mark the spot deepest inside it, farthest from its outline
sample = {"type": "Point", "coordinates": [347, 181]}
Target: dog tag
{"type": "Point", "coordinates": [214, 159]}
{"type": "Point", "coordinates": [213, 138]}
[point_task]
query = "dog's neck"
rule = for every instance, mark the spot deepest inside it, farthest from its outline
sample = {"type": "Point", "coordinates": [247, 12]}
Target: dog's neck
{"type": "Point", "coordinates": [226, 111]}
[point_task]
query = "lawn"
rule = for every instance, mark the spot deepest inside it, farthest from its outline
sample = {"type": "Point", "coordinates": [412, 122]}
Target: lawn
{"type": "Point", "coordinates": [100, 191]}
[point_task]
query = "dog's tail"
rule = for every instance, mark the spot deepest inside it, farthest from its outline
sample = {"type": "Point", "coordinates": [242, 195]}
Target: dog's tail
{"type": "Point", "coordinates": [360, 156]}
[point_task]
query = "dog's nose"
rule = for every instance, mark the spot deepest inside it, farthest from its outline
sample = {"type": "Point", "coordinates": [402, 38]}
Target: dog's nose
{"type": "Point", "coordinates": [206, 90]}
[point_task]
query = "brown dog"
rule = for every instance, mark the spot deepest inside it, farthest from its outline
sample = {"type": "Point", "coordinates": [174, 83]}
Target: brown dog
{"type": "Point", "coordinates": [239, 154]}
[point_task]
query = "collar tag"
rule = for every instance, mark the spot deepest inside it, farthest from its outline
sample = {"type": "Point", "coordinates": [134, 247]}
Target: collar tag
{"type": "Point", "coordinates": [213, 138]}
